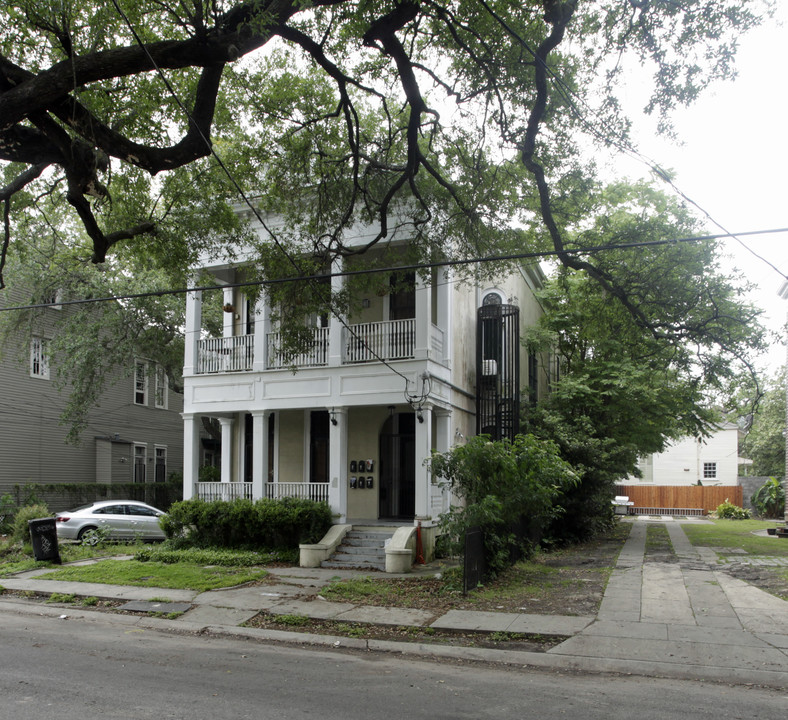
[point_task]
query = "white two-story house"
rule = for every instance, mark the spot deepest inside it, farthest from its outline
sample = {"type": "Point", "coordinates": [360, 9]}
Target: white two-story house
{"type": "Point", "coordinates": [354, 418]}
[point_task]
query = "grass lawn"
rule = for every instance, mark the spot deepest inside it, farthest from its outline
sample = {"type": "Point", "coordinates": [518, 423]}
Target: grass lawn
{"type": "Point", "coordinates": [186, 576]}
{"type": "Point", "coordinates": [737, 535]}
{"type": "Point", "coordinates": [16, 558]}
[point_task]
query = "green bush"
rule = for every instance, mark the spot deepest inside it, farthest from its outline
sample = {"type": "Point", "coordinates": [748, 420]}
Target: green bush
{"type": "Point", "coordinates": [211, 556]}
{"type": "Point", "coordinates": [769, 499]}
{"type": "Point", "coordinates": [270, 524]}
{"type": "Point", "coordinates": [510, 490]}
{"type": "Point", "coordinates": [729, 511]}
{"type": "Point", "coordinates": [21, 530]}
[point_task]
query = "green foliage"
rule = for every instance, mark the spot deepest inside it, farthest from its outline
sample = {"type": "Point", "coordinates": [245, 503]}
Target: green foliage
{"type": "Point", "coordinates": [510, 491]}
{"type": "Point", "coordinates": [67, 598]}
{"type": "Point", "coordinates": [21, 530]}
{"type": "Point", "coordinates": [212, 556]}
{"type": "Point", "coordinates": [728, 511]}
{"type": "Point", "coordinates": [270, 524]}
{"type": "Point", "coordinates": [7, 508]}
{"type": "Point", "coordinates": [764, 442]}
{"type": "Point", "coordinates": [769, 499]}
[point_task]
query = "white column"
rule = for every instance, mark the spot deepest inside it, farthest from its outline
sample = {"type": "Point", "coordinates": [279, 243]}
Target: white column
{"type": "Point", "coordinates": [191, 454]}
{"type": "Point", "coordinates": [262, 326]}
{"type": "Point", "coordinates": [423, 453]}
{"type": "Point", "coordinates": [335, 327]}
{"type": "Point", "coordinates": [228, 317]}
{"type": "Point", "coordinates": [337, 463]}
{"type": "Point", "coordinates": [443, 440]}
{"type": "Point", "coordinates": [227, 448]}
{"type": "Point", "coordinates": [443, 299]}
{"type": "Point", "coordinates": [423, 318]}
{"type": "Point", "coordinates": [193, 327]}
{"type": "Point", "coordinates": [259, 453]}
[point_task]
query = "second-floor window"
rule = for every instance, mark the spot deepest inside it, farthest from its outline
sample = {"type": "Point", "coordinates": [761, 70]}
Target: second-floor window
{"type": "Point", "coordinates": [39, 362]}
{"type": "Point", "coordinates": [140, 383]}
{"type": "Point", "coordinates": [160, 393]}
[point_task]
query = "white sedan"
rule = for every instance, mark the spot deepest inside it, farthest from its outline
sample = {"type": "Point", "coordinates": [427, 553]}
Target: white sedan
{"type": "Point", "coordinates": [123, 520]}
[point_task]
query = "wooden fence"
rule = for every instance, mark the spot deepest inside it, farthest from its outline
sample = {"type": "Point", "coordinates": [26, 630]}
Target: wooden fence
{"type": "Point", "coordinates": [677, 497]}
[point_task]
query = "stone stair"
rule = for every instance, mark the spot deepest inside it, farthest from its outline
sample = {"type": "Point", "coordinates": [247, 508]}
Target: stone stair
{"type": "Point", "coordinates": [362, 547]}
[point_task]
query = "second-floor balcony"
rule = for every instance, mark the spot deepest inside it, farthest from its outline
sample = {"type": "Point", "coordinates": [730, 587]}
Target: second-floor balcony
{"type": "Point", "coordinates": [361, 343]}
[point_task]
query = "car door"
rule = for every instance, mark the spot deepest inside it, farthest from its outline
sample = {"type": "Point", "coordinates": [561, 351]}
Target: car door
{"type": "Point", "coordinates": [114, 519]}
{"type": "Point", "coordinates": [144, 522]}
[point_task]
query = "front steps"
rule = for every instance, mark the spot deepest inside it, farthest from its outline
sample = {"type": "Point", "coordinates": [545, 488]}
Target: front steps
{"type": "Point", "coordinates": [362, 547]}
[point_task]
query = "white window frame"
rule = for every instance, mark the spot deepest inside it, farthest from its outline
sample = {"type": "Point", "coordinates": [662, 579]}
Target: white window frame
{"type": "Point", "coordinates": [159, 451]}
{"type": "Point", "coordinates": [140, 452]}
{"type": "Point", "coordinates": [39, 362]}
{"type": "Point", "coordinates": [709, 470]}
{"type": "Point", "coordinates": [140, 383]}
{"type": "Point", "coordinates": [160, 389]}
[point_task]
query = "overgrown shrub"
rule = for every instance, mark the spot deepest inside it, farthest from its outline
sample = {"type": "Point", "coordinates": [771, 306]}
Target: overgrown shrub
{"type": "Point", "coordinates": [510, 491]}
{"type": "Point", "coordinates": [729, 511]}
{"type": "Point", "coordinates": [769, 499]}
{"type": "Point", "coordinates": [211, 556]}
{"type": "Point", "coordinates": [270, 524]}
{"type": "Point", "coordinates": [21, 530]}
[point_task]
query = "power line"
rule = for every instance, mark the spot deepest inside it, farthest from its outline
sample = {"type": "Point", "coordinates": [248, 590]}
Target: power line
{"type": "Point", "coordinates": [536, 255]}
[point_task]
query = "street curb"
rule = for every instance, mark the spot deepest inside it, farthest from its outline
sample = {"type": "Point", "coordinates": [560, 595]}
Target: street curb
{"type": "Point", "coordinates": [516, 658]}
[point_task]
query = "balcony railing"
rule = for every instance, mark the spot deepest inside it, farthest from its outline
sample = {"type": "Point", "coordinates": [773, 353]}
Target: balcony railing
{"type": "Point", "coordinates": [368, 342]}
{"type": "Point", "coordinates": [313, 354]}
{"type": "Point", "coordinates": [225, 354]}
{"type": "Point", "coordinates": [363, 343]}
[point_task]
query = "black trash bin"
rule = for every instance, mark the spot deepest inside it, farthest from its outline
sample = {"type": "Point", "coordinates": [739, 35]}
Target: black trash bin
{"type": "Point", "coordinates": [43, 536]}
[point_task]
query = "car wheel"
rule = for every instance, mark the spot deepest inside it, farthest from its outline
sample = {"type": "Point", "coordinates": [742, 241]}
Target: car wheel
{"type": "Point", "coordinates": [89, 536]}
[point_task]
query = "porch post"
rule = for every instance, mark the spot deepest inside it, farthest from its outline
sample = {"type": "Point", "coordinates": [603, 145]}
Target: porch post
{"type": "Point", "coordinates": [227, 448]}
{"type": "Point", "coordinates": [191, 454]}
{"type": "Point", "coordinates": [334, 326]}
{"type": "Point", "coordinates": [262, 324]}
{"type": "Point", "coordinates": [423, 453]}
{"type": "Point", "coordinates": [193, 326]}
{"type": "Point", "coordinates": [423, 318]}
{"type": "Point", "coordinates": [337, 463]}
{"type": "Point", "coordinates": [259, 453]}
{"type": "Point", "coordinates": [228, 317]}
{"type": "Point", "coordinates": [443, 278]}
{"type": "Point", "coordinates": [443, 440]}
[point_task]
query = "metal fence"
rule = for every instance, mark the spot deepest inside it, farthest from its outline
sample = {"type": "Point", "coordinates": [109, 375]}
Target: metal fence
{"type": "Point", "coordinates": [473, 565]}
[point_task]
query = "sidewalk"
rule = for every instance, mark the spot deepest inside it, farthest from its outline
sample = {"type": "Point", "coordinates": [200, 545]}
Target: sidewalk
{"type": "Point", "coordinates": [682, 620]}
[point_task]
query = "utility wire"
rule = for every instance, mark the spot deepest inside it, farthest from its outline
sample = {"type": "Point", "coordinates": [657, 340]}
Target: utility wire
{"type": "Point", "coordinates": [592, 249]}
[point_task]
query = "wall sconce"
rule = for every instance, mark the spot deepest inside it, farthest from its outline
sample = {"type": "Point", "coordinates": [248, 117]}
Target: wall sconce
{"type": "Point", "coordinates": [419, 416]}
{"type": "Point", "coordinates": [333, 417]}
{"type": "Point", "coordinates": [228, 308]}
{"type": "Point", "coordinates": [124, 460]}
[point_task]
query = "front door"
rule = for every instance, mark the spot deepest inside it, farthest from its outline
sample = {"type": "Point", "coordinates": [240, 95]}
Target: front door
{"type": "Point", "coordinates": [397, 495]}
{"type": "Point", "coordinates": [318, 446]}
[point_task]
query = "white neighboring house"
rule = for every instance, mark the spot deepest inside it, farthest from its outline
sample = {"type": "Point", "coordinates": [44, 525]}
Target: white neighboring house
{"type": "Point", "coordinates": [712, 461]}
{"type": "Point", "coordinates": [333, 423]}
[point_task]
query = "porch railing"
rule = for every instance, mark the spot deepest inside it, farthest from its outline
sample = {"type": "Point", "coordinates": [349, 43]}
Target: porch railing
{"type": "Point", "coordinates": [313, 354]}
{"type": "Point", "coordinates": [304, 490]}
{"type": "Point", "coordinates": [274, 491]}
{"type": "Point", "coordinates": [224, 491]}
{"type": "Point", "coordinates": [391, 340]}
{"type": "Point", "coordinates": [225, 354]}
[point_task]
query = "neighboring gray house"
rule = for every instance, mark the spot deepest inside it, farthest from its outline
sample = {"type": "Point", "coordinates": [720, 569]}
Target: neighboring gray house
{"type": "Point", "coordinates": [134, 433]}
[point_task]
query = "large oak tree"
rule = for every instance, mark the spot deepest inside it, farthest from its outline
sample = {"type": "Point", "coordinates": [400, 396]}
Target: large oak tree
{"type": "Point", "coordinates": [127, 129]}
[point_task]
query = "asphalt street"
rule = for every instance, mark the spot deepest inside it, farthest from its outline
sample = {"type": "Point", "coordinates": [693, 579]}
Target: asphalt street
{"type": "Point", "coordinates": [75, 668]}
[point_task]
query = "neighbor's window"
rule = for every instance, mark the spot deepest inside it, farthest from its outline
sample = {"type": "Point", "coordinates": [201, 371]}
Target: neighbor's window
{"type": "Point", "coordinates": [709, 470]}
{"type": "Point", "coordinates": [140, 383]}
{"type": "Point", "coordinates": [160, 397]}
{"type": "Point", "coordinates": [39, 363]}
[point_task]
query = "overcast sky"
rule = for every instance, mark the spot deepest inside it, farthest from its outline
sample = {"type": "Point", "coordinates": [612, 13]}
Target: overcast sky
{"type": "Point", "coordinates": [734, 162]}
